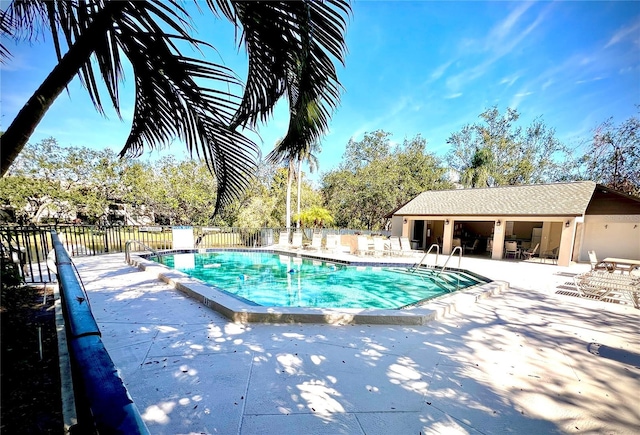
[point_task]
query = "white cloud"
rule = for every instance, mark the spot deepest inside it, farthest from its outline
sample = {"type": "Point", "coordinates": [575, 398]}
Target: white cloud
{"type": "Point", "coordinates": [509, 81]}
{"type": "Point", "coordinates": [518, 97]}
{"type": "Point", "coordinates": [501, 40]}
{"type": "Point", "coordinates": [452, 96]}
{"type": "Point", "coordinates": [400, 105]}
{"type": "Point", "coordinates": [622, 34]}
{"type": "Point", "coordinates": [438, 72]}
{"type": "Point", "coordinates": [502, 30]}
{"type": "Point", "coordinates": [594, 79]}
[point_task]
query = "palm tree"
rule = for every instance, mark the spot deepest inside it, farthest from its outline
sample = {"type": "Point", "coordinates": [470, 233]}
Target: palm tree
{"type": "Point", "coordinates": [312, 160]}
{"type": "Point", "coordinates": [293, 158]}
{"type": "Point", "coordinates": [291, 47]}
{"type": "Point", "coordinates": [479, 172]}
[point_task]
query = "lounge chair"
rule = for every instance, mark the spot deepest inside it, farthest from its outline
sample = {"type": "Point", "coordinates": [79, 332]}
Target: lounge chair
{"type": "Point", "coordinates": [316, 242]}
{"type": "Point", "coordinates": [604, 284]}
{"type": "Point", "coordinates": [598, 265]}
{"type": "Point", "coordinates": [379, 249]}
{"type": "Point", "coordinates": [529, 253]}
{"type": "Point", "coordinates": [296, 240]}
{"type": "Point", "coordinates": [333, 242]}
{"type": "Point", "coordinates": [406, 247]}
{"type": "Point", "coordinates": [394, 246]}
{"type": "Point", "coordinates": [283, 241]}
{"type": "Point", "coordinates": [362, 247]}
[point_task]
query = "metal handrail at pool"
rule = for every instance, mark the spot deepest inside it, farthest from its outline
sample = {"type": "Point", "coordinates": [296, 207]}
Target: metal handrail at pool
{"type": "Point", "coordinates": [127, 249]}
{"type": "Point", "coordinates": [456, 249]}
{"type": "Point", "coordinates": [419, 263]}
{"type": "Point", "coordinates": [104, 395]}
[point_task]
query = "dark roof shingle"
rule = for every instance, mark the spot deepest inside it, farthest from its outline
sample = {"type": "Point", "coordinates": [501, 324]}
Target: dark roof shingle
{"type": "Point", "coordinates": [559, 199]}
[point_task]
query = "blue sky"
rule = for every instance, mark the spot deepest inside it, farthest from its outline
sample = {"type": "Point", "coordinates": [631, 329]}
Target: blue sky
{"type": "Point", "coordinates": [414, 67]}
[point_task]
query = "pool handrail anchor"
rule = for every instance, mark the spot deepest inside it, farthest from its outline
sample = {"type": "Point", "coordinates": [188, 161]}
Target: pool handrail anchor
{"type": "Point", "coordinates": [459, 250]}
{"type": "Point", "coordinates": [127, 253]}
{"type": "Point", "coordinates": [419, 263]}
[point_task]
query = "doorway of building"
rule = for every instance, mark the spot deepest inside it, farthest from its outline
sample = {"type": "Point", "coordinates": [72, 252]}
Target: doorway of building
{"type": "Point", "coordinates": [418, 235]}
{"type": "Point", "coordinates": [426, 233]}
{"type": "Point", "coordinates": [475, 237]}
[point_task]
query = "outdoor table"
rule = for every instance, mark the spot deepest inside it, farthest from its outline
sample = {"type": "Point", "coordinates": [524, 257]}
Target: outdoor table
{"type": "Point", "coordinates": [622, 263]}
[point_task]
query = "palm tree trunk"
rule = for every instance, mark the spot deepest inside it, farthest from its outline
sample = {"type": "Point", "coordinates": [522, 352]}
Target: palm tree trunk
{"type": "Point", "coordinates": [289, 183]}
{"type": "Point", "coordinates": [299, 190]}
{"type": "Point", "coordinates": [17, 135]}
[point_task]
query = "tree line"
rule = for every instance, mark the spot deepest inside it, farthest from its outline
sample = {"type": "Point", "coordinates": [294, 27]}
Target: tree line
{"type": "Point", "coordinates": [292, 50]}
{"type": "Point", "coordinates": [374, 177]}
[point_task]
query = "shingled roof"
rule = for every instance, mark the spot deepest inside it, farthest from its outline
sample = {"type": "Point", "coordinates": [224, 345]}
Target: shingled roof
{"type": "Point", "coordinates": [559, 199]}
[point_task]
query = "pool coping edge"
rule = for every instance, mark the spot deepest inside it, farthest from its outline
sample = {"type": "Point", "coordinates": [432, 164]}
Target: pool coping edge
{"type": "Point", "coordinates": [240, 312]}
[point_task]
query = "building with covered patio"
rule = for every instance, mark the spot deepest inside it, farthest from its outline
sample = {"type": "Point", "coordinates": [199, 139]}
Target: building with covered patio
{"type": "Point", "coordinates": [565, 220]}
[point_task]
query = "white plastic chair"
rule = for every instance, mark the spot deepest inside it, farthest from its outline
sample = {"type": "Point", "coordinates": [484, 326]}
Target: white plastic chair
{"type": "Point", "coordinates": [511, 248]}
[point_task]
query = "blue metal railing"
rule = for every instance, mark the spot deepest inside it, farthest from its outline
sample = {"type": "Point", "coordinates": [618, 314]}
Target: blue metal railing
{"type": "Point", "coordinates": [111, 408]}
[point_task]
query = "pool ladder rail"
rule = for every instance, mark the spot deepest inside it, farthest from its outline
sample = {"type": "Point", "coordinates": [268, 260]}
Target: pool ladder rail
{"type": "Point", "coordinates": [424, 257]}
{"type": "Point", "coordinates": [456, 249]}
{"type": "Point", "coordinates": [435, 266]}
{"type": "Point", "coordinates": [127, 250]}
{"type": "Point", "coordinates": [420, 263]}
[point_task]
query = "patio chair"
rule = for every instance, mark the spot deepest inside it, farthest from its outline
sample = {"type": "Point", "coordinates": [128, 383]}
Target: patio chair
{"type": "Point", "coordinates": [316, 242]}
{"type": "Point", "coordinates": [394, 245]}
{"type": "Point", "coordinates": [471, 248]}
{"type": "Point", "coordinates": [333, 240]}
{"type": "Point", "coordinates": [405, 245]}
{"type": "Point", "coordinates": [362, 246]}
{"type": "Point", "coordinates": [283, 241]}
{"type": "Point", "coordinates": [379, 249]}
{"type": "Point", "coordinates": [296, 240]}
{"type": "Point", "coordinates": [601, 284]}
{"type": "Point", "coordinates": [529, 253]}
{"type": "Point", "coordinates": [598, 265]}
{"type": "Point", "coordinates": [552, 254]}
{"type": "Point", "coordinates": [511, 248]}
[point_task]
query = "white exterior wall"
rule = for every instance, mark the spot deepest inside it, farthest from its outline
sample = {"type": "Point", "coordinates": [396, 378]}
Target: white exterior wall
{"type": "Point", "coordinates": [396, 226]}
{"type": "Point", "coordinates": [611, 236]}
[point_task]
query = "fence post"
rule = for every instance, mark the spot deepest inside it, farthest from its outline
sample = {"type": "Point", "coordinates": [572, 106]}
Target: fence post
{"type": "Point", "coordinates": [106, 240]}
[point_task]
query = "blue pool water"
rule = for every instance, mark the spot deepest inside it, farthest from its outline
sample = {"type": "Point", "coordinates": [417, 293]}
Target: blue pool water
{"type": "Point", "coordinates": [278, 280]}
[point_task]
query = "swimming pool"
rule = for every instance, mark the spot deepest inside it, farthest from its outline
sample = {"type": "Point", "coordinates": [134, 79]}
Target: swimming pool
{"type": "Point", "coordinates": [273, 280]}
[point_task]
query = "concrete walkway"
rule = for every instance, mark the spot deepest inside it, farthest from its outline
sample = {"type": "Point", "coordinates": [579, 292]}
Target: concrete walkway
{"type": "Point", "coordinates": [528, 361]}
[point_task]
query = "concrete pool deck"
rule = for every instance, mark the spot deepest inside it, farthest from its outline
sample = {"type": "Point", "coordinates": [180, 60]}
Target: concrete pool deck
{"type": "Point", "coordinates": [526, 361]}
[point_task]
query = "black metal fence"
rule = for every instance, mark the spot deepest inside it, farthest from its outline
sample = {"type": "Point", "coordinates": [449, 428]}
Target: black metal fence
{"type": "Point", "coordinates": [30, 245]}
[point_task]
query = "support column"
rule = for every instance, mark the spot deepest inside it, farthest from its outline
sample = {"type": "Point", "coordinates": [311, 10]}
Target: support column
{"type": "Point", "coordinates": [566, 243]}
{"type": "Point", "coordinates": [498, 239]}
{"type": "Point", "coordinates": [447, 236]}
{"type": "Point", "coordinates": [405, 227]}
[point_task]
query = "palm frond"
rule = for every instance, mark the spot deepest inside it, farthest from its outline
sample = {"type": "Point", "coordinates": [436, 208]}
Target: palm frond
{"type": "Point", "coordinates": [22, 20]}
{"type": "Point", "coordinates": [289, 46]}
{"type": "Point", "coordinates": [169, 103]}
